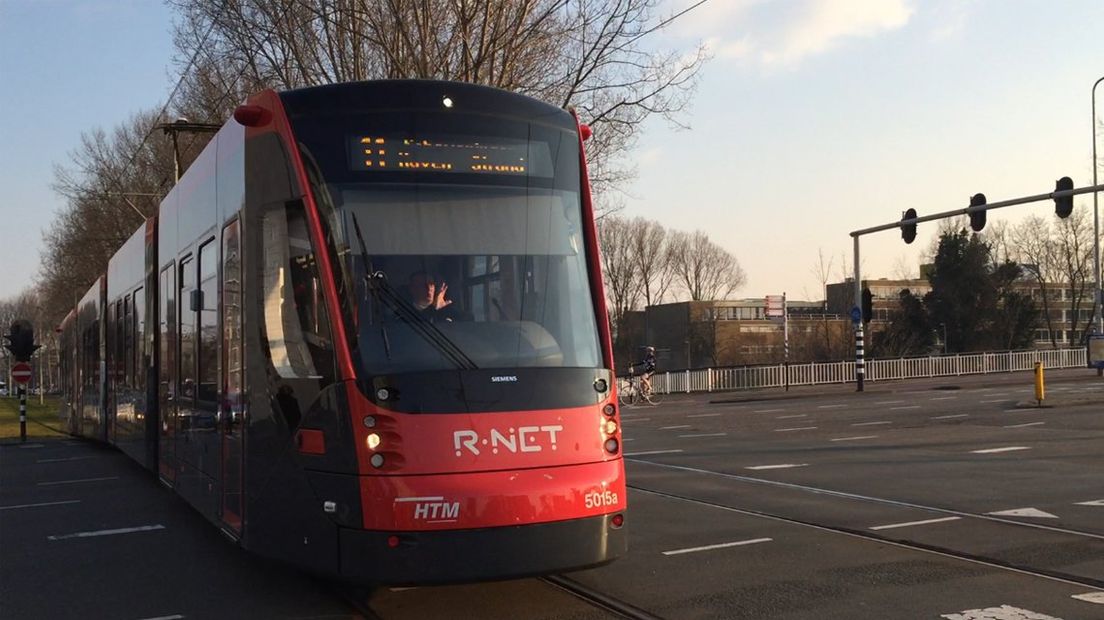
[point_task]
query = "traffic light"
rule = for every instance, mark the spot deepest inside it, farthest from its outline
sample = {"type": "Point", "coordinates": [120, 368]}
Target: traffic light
{"type": "Point", "coordinates": [908, 231]}
{"type": "Point", "coordinates": [21, 341]}
{"type": "Point", "coordinates": [867, 305]}
{"type": "Point", "coordinates": [1063, 206]}
{"type": "Point", "coordinates": [977, 218]}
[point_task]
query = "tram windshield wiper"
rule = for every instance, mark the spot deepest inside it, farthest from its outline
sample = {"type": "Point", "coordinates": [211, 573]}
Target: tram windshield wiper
{"type": "Point", "coordinates": [382, 292]}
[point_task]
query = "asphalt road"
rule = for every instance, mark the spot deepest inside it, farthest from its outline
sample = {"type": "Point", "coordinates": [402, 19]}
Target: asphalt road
{"type": "Point", "coordinates": [943, 498]}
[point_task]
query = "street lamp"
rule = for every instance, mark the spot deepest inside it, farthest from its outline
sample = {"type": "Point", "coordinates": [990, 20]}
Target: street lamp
{"type": "Point", "coordinates": [1096, 225]}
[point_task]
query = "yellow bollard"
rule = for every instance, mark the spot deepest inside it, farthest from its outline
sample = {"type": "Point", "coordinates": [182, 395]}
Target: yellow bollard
{"type": "Point", "coordinates": [1040, 383]}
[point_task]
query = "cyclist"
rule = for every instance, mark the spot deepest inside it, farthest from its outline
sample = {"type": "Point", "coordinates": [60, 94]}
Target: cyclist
{"type": "Point", "coordinates": [649, 365]}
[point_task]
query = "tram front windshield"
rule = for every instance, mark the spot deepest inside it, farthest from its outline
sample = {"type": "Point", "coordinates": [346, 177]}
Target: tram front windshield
{"type": "Point", "coordinates": [466, 252]}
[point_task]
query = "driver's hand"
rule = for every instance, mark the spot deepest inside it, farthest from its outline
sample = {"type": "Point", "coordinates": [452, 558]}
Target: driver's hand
{"type": "Point", "coordinates": [441, 302]}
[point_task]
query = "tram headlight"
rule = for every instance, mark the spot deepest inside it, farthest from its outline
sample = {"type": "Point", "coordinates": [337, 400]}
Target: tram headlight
{"type": "Point", "coordinates": [373, 441]}
{"type": "Point", "coordinates": [376, 460]}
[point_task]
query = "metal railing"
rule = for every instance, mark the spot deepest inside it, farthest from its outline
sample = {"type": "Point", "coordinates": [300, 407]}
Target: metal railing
{"type": "Point", "coordinates": [818, 373]}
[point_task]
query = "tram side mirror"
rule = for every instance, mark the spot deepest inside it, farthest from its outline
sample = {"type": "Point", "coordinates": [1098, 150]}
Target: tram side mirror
{"type": "Point", "coordinates": [196, 300]}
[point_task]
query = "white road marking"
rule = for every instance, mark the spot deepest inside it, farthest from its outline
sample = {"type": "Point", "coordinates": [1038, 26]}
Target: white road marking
{"type": "Point", "coordinates": [890, 402]}
{"type": "Point", "coordinates": [854, 438]}
{"type": "Point", "coordinates": [782, 466]}
{"type": "Point", "coordinates": [945, 398]}
{"type": "Point", "coordinates": [996, 450]}
{"type": "Point", "coordinates": [872, 423]}
{"type": "Point", "coordinates": [704, 435]}
{"type": "Point", "coordinates": [1023, 512]}
{"type": "Point", "coordinates": [1091, 597]}
{"type": "Point", "coordinates": [125, 530]}
{"type": "Point", "coordinates": [911, 523]}
{"type": "Point", "coordinates": [652, 452]}
{"type": "Point", "coordinates": [1004, 612]}
{"type": "Point", "coordinates": [905, 407]}
{"type": "Point", "coordinates": [787, 417]}
{"type": "Point", "coordinates": [46, 484]}
{"type": "Point", "coordinates": [948, 417]}
{"type": "Point", "coordinates": [1024, 410]}
{"type": "Point", "coordinates": [830, 406]}
{"type": "Point", "coordinates": [71, 501]}
{"type": "Point", "coordinates": [720, 546]}
{"type": "Point", "coordinates": [799, 428]}
{"type": "Point", "coordinates": [669, 428]}
{"type": "Point", "coordinates": [1095, 502]}
{"type": "Point", "coordinates": [72, 458]}
{"type": "Point", "coordinates": [999, 400]}
{"type": "Point", "coordinates": [767, 410]}
{"type": "Point", "coordinates": [628, 419]}
{"type": "Point", "coordinates": [1023, 425]}
{"type": "Point", "coordinates": [704, 415]}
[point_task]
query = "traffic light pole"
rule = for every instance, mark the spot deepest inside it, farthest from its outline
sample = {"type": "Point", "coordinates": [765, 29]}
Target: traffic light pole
{"type": "Point", "coordinates": [22, 413]}
{"type": "Point", "coordinates": [860, 367]}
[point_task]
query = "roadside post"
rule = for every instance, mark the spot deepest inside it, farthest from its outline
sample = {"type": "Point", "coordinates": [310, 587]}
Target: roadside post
{"type": "Point", "coordinates": [860, 366]}
{"type": "Point", "coordinates": [21, 374]}
{"type": "Point", "coordinates": [22, 346]}
{"type": "Point", "coordinates": [1040, 383]}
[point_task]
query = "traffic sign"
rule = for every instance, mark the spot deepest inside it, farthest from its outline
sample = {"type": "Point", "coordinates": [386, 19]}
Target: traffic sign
{"type": "Point", "coordinates": [856, 314]}
{"type": "Point", "coordinates": [21, 372]}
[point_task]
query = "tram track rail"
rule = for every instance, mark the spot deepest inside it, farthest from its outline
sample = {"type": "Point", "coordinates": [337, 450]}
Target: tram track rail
{"type": "Point", "coordinates": [1051, 575]}
{"type": "Point", "coordinates": [598, 599]}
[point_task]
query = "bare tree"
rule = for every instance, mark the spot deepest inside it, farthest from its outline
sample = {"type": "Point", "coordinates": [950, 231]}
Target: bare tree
{"type": "Point", "coordinates": [705, 270]}
{"type": "Point", "coordinates": [1036, 253]}
{"type": "Point", "coordinates": [648, 251]}
{"type": "Point", "coordinates": [618, 269]}
{"type": "Point", "coordinates": [1074, 245]}
{"type": "Point", "coordinates": [589, 54]}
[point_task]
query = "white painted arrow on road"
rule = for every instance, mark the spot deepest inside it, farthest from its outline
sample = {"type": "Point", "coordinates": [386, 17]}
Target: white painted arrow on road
{"type": "Point", "coordinates": [1023, 512]}
{"type": "Point", "coordinates": [1095, 502]}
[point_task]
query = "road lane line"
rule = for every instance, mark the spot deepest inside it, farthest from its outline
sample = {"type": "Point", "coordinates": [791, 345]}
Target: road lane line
{"type": "Point", "coordinates": [905, 407]}
{"type": "Point", "coordinates": [857, 438]}
{"type": "Point", "coordinates": [670, 428]}
{"type": "Point", "coordinates": [720, 546]}
{"type": "Point", "coordinates": [125, 530]}
{"type": "Point", "coordinates": [46, 484]}
{"type": "Point", "coordinates": [71, 501]}
{"type": "Point", "coordinates": [628, 419]}
{"type": "Point", "coordinates": [945, 398]}
{"type": "Point", "coordinates": [797, 428]}
{"type": "Point", "coordinates": [72, 458]}
{"type": "Point", "coordinates": [704, 415]}
{"type": "Point", "coordinates": [782, 466]}
{"type": "Point", "coordinates": [912, 523]}
{"type": "Point", "coordinates": [999, 400]}
{"type": "Point", "coordinates": [1095, 502]}
{"type": "Point", "coordinates": [652, 452]}
{"type": "Point", "coordinates": [704, 435]}
{"type": "Point", "coordinates": [948, 417]}
{"type": "Point", "coordinates": [787, 417]}
{"type": "Point", "coordinates": [1091, 597]}
{"type": "Point", "coordinates": [872, 423]}
{"type": "Point", "coordinates": [890, 402]}
{"type": "Point", "coordinates": [830, 406]}
{"type": "Point", "coordinates": [1023, 425]}
{"type": "Point", "coordinates": [767, 410]}
{"type": "Point", "coordinates": [996, 450]}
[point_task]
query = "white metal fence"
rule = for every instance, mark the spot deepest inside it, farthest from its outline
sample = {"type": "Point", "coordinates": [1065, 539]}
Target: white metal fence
{"type": "Point", "coordinates": [750, 377]}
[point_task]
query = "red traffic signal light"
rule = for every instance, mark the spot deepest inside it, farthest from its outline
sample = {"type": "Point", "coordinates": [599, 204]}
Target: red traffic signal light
{"type": "Point", "coordinates": [908, 231]}
{"type": "Point", "coordinates": [1063, 206]}
{"type": "Point", "coordinates": [977, 218]}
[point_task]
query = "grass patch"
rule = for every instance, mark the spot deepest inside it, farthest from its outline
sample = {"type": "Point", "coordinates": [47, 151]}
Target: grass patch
{"type": "Point", "coordinates": [42, 420]}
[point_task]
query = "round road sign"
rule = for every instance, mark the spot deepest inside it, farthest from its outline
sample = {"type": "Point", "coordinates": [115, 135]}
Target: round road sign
{"type": "Point", "coordinates": [21, 372]}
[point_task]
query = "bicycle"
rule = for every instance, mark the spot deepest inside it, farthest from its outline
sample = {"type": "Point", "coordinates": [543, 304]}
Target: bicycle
{"type": "Point", "coordinates": [631, 391]}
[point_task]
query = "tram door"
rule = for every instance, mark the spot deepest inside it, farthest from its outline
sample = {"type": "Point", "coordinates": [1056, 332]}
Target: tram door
{"type": "Point", "coordinates": [232, 405]}
{"type": "Point", "coordinates": [166, 379]}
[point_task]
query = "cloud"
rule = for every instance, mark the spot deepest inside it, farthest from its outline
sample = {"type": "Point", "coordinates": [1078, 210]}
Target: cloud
{"type": "Point", "coordinates": [778, 34]}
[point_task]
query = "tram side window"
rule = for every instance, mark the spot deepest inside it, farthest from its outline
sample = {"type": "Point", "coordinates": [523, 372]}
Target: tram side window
{"type": "Point", "coordinates": [186, 331]}
{"type": "Point", "coordinates": [296, 323]}
{"type": "Point", "coordinates": [138, 339]}
{"type": "Point", "coordinates": [208, 323]}
{"type": "Point", "coordinates": [167, 348]}
{"type": "Point", "coordinates": [126, 361]}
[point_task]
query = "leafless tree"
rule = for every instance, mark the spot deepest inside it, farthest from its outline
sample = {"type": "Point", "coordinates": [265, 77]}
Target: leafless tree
{"type": "Point", "coordinates": [1037, 253]}
{"type": "Point", "coordinates": [648, 251]}
{"type": "Point", "coordinates": [705, 270]}
{"type": "Point", "coordinates": [1074, 245]}
{"type": "Point", "coordinates": [618, 269]}
{"type": "Point", "coordinates": [593, 55]}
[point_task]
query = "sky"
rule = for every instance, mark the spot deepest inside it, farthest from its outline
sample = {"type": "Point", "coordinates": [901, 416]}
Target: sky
{"type": "Point", "coordinates": [814, 118]}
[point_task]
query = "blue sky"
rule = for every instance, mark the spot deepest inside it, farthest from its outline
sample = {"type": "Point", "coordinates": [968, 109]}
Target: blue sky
{"type": "Point", "coordinates": [814, 118]}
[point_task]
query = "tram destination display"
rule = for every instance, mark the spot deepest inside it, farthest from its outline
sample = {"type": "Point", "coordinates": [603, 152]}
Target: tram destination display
{"type": "Point", "coordinates": [449, 154]}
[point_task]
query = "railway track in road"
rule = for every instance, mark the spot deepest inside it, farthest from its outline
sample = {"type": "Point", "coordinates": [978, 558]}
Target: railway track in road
{"type": "Point", "coordinates": [1053, 575]}
{"type": "Point", "coordinates": [360, 599]}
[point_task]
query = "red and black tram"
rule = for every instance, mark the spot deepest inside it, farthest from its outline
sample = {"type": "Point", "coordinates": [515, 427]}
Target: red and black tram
{"type": "Point", "coordinates": [366, 334]}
